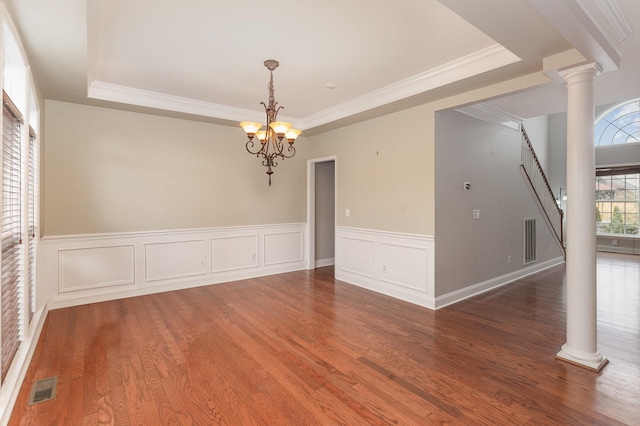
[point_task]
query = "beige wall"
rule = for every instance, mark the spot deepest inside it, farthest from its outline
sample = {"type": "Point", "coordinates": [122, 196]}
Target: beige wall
{"type": "Point", "coordinates": [385, 166]}
{"type": "Point", "coordinates": [384, 171]}
{"type": "Point", "coordinates": [107, 170]}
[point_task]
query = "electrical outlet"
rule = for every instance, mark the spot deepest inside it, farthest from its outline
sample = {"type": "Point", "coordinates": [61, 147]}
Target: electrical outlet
{"type": "Point", "coordinates": [508, 259]}
{"type": "Point", "coordinates": [347, 212]}
{"type": "Point", "coordinates": [384, 268]}
{"type": "Point", "coordinates": [253, 256]}
{"type": "Point", "coordinates": [476, 214]}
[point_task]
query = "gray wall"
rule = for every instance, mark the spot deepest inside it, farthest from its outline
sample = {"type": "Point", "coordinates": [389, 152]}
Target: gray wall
{"type": "Point", "coordinates": [325, 211]}
{"type": "Point", "coordinates": [538, 130]}
{"type": "Point", "coordinates": [472, 251]}
{"type": "Point", "coordinates": [557, 173]}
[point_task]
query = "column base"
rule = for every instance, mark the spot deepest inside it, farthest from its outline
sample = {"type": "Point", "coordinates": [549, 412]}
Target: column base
{"type": "Point", "coordinates": [594, 362]}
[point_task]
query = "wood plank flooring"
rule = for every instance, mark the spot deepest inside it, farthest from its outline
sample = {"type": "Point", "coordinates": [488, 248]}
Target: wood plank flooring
{"type": "Point", "coordinates": [304, 349]}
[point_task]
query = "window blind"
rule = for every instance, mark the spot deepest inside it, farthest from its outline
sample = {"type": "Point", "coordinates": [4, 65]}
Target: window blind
{"type": "Point", "coordinates": [11, 234]}
{"type": "Point", "coordinates": [31, 208]}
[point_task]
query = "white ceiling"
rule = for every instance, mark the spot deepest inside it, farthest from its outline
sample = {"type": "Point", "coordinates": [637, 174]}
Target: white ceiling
{"type": "Point", "coordinates": [205, 58]}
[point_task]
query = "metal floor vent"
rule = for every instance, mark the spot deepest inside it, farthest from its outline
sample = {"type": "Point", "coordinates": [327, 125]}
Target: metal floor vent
{"type": "Point", "coordinates": [43, 390]}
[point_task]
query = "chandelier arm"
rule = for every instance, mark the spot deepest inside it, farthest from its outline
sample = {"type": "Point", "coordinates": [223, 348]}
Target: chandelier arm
{"type": "Point", "coordinates": [250, 144]}
{"type": "Point", "coordinates": [290, 149]}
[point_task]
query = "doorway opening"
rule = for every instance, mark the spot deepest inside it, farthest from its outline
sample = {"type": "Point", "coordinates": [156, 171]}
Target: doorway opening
{"type": "Point", "coordinates": [321, 211]}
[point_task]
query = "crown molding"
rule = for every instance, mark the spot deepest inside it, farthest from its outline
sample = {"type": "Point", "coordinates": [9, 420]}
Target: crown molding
{"type": "Point", "coordinates": [593, 27]}
{"type": "Point", "coordinates": [607, 14]}
{"type": "Point", "coordinates": [491, 114]}
{"type": "Point", "coordinates": [145, 98]}
{"type": "Point", "coordinates": [484, 60]}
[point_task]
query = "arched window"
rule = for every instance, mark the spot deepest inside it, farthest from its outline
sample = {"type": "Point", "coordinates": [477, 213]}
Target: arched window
{"type": "Point", "coordinates": [619, 124]}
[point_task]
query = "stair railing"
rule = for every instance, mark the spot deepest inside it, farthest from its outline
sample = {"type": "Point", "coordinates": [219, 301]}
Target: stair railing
{"type": "Point", "coordinates": [541, 188]}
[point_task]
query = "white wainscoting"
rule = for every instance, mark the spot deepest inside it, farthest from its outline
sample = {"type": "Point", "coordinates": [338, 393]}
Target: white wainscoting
{"type": "Point", "coordinates": [398, 265]}
{"type": "Point", "coordinates": [175, 259]}
{"type": "Point", "coordinates": [86, 268]}
{"type": "Point", "coordinates": [93, 268]}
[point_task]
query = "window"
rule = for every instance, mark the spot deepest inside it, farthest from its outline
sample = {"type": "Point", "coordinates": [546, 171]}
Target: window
{"type": "Point", "coordinates": [617, 202]}
{"type": "Point", "coordinates": [19, 181]}
{"type": "Point", "coordinates": [619, 125]}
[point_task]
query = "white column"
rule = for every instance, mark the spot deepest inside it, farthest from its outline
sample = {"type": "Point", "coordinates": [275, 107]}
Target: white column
{"type": "Point", "coordinates": [581, 347]}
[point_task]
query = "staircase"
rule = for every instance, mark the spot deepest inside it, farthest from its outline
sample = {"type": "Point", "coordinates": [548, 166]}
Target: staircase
{"type": "Point", "coordinates": [541, 188]}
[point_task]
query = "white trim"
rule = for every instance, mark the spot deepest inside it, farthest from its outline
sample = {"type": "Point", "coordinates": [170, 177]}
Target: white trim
{"type": "Point", "coordinates": [15, 34]}
{"type": "Point", "coordinates": [419, 294]}
{"type": "Point", "coordinates": [578, 23]}
{"type": "Point", "coordinates": [594, 362]}
{"type": "Point", "coordinates": [311, 206]}
{"type": "Point", "coordinates": [160, 233]}
{"type": "Point", "coordinates": [612, 14]}
{"type": "Point", "coordinates": [479, 288]}
{"type": "Point", "coordinates": [387, 271]}
{"type": "Point", "coordinates": [492, 115]}
{"type": "Point", "coordinates": [616, 249]}
{"type": "Point", "coordinates": [19, 366]}
{"type": "Point", "coordinates": [284, 252]}
{"type": "Point", "coordinates": [475, 63]}
{"type": "Point", "coordinates": [325, 262]}
{"type": "Point", "coordinates": [478, 62]}
{"type": "Point", "coordinates": [146, 98]}
{"type": "Point", "coordinates": [616, 145]}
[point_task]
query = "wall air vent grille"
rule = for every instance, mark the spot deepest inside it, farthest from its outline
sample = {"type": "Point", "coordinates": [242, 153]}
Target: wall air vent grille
{"type": "Point", "coordinates": [529, 240]}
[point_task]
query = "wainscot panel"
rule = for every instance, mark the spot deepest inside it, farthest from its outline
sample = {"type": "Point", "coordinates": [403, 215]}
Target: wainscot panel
{"type": "Point", "coordinates": [178, 259]}
{"type": "Point", "coordinates": [398, 265]}
{"type": "Point", "coordinates": [409, 265]}
{"type": "Point", "coordinates": [95, 267]}
{"type": "Point", "coordinates": [79, 269]}
{"type": "Point", "coordinates": [283, 247]}
{"type": "Point", "coordinates": [360, 255]}
{"type": "Point", "coordinates": [233, 253]}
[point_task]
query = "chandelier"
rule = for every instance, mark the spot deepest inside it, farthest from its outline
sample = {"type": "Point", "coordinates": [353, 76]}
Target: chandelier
{"type": "Point", "coordinates": [271, 145]}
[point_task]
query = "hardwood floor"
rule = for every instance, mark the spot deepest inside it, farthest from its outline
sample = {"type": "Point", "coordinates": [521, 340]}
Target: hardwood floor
{"type": "Point", "coordinates": [303, 349]}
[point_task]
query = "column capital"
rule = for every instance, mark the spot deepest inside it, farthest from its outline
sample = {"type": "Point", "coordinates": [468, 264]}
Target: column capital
{"type": "Point", "coordinates": [590, 69]}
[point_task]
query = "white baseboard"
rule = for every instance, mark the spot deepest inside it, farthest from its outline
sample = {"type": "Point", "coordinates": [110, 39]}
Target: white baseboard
{"type": "Point", "coordinates": [19, 366]}
{"type": "Point", "coordinates": [476, 289]}
{"type": "Point", "coordinates": [401, 266]}
{"type": "Point", "coordinates": [325, 262]}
